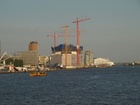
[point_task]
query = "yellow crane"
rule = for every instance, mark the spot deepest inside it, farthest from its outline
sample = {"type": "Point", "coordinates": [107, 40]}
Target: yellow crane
{"type": "Point", "coordinates": [66, 42]}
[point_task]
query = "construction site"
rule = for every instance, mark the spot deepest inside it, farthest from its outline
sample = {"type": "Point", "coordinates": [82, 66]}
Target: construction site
{"type": "Point", "coordinates": [67, 55]}
{"type": "Point", "coordinates": [64, 55]}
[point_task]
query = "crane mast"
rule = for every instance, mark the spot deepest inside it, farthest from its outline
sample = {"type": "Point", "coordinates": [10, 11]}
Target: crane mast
{"type": "Point", "coordinates": [78, 37]}
{"type": "Point", "coordinates": [66, 43]}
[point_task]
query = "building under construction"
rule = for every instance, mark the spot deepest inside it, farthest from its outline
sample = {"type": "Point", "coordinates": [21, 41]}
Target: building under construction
{"type": "Point", "coordinates": [65, 56]}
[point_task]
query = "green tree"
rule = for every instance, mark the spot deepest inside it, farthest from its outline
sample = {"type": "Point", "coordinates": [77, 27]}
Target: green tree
{"type": "Point", "coordinates": [16, 63]}
{"type": "Point", "coordinates": [9, 61]}
{"type": "Point", "coordinates": [20, 62]}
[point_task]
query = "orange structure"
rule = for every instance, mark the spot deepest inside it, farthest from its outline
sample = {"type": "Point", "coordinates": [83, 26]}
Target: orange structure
{"type": "Point", "coordinates": [78, 36]}
{"type": "Point", "coordinates": [33, 46]}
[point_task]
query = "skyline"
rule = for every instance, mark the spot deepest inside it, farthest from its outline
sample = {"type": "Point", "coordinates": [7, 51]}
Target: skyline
{"type": "Point", "coordinates": [113, 31]}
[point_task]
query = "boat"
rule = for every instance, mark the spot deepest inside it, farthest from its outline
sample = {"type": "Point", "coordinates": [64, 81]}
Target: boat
{"type": "Point", "coordinates": [4, 70]}
{"type": "Point", "coordinates": [38, 73]}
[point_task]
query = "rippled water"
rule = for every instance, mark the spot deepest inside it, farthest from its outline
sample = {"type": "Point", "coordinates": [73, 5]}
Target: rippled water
{"type": "Point", "coordinates": [96, 86]}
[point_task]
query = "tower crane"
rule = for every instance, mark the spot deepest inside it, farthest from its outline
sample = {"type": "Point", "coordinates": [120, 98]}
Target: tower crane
{"type": "Point", "coordinates": [66, 43]}
{"type": "Point", "coordinates": [78, 37]}
{"type": "Point", "coordinates": [61, 35]}
{"type": "Point", "coordinates": [54, 36]}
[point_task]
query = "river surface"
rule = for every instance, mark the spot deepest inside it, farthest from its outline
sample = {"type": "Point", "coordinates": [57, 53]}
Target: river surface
{"type": "Point", "coordinates": [96, 86]}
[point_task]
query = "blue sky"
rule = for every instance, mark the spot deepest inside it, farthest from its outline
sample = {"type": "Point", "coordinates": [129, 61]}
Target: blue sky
{"type": "Point", "coordinates": [113, 31]}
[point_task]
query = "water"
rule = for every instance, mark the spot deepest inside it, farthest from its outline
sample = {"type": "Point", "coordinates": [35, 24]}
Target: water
{"type": "Point", "coordinates": [96, 86]}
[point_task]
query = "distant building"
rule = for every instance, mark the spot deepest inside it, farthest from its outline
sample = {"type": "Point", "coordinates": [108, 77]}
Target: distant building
{"type": "Point", "coordinates": [17, 55]}
{"type": "Point", "coordinates": [59, 59]}
{"type": "Point", "coordinates": [33, 46]}
{"type": "Point", "coordinates": [30, 58]}
{"type": "Point", "coordinates": [65, 59]}
{"type": "Point", "coordinates": [88, 58]}
{"type": "Point", "coordinates": [43, 60]}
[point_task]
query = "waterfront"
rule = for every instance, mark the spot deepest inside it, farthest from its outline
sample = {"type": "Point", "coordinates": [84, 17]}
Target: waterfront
{"type": "Point", "coordinates": [95, 86]}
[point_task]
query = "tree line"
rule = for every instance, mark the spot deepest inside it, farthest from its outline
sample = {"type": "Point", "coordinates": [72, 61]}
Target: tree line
{"type": "Point", "coordinates": [16, 62]}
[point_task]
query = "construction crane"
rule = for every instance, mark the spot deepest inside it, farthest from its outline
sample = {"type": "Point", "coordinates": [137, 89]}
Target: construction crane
{"type": "Point", "coordinates": [54, 36]}
{"type": "Point", "coordinates": [78, 37]}
{"type": "Point", "coordinates": [4, 57]}
{"type": "Point", "coordinates": [66, 43]}
{"type": "Point", "coordinates": [61, 35]}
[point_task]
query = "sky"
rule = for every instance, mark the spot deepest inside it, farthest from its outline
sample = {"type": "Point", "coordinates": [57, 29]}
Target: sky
{"type": "Point", "coordinates": [113, 30]}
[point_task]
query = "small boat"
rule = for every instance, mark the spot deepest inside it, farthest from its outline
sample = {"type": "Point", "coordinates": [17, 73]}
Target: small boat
{"type": "Point", "coordinates": [38, 73]}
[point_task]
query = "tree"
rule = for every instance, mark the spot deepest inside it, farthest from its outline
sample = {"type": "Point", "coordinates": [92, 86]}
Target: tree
{"type": "Point", "coordinates": [16, 63]}
{"type": "Point", "coordinates": [20, 62]}
{"type": "Point", "coordinates": [9, 61]}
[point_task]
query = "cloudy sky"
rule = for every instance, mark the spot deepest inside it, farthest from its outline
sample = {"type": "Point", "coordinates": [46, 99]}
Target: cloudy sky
{"type": "Point", "coordinates": [112, 32]}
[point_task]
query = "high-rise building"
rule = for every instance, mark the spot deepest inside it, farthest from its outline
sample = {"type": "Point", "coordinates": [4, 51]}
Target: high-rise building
{"type": "Point", "coordinates": [88, 58]}
{"type": "Point", "coordinates": [33, 46]}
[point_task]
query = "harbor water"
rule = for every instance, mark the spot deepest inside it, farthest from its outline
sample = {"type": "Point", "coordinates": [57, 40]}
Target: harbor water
{"type": "Point", "coordinates": [95, 86]}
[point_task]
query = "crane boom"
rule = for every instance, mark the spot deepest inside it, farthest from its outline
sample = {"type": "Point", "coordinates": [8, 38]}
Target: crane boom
{"type": "Point", "coordinates": [81, 20]}
{"type": "Point", "coordinates": [54, 35]}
